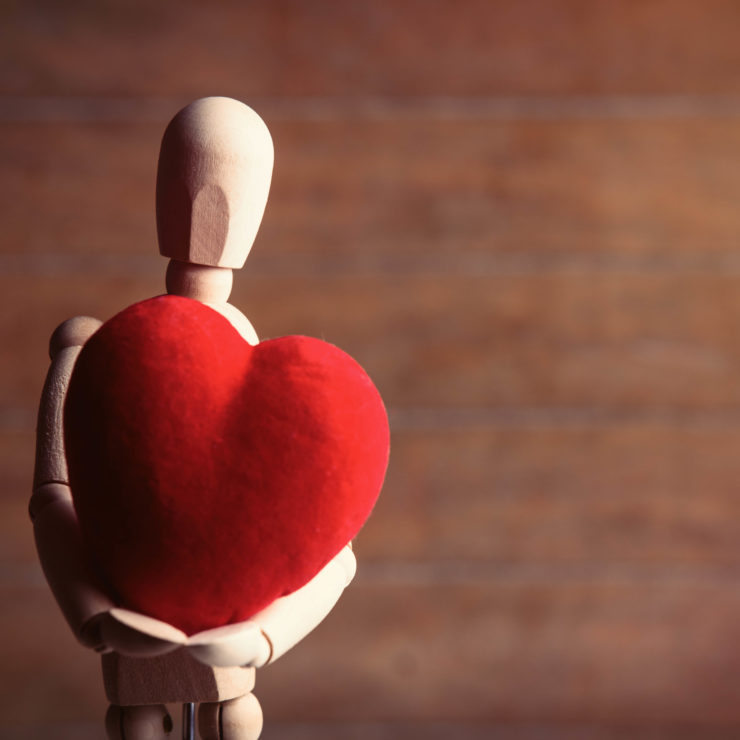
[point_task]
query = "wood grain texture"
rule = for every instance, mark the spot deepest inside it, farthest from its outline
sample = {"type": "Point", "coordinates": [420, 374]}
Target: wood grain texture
{"type": "Point", "coordinates": [564, 654]}
{"type": "Point", "coordinates": [580, 501]}
{"type": "Point", "coordinates": [428, 730]}
{"type": "Point", "coordinates": [617, 343]}
{"type": "Point", "coordinates": [454, 195]}
{"type": "Point", "coordinates": [521, 218]}
{"type": "Point", "coordinates": [564, 501]}
{"type": "Point", "coordinates": [523, 653]}
{"type": "Point", "coordinates": [413, 47]}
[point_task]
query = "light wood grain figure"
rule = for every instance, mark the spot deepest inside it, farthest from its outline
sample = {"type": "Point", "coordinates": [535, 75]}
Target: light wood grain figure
{"type": "Point", "coordinates": [214, 174]}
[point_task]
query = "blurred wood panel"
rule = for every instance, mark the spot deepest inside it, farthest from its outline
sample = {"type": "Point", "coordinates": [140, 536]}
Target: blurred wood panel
{"type": "Point", "coordinates": [616, 340]}
{"type": "Point", "coordinates": [46, 676]}
{"type": "Point", "coordinates": [521, 218]}
{"type": "Point", "coordinates": [484, 731]}
{"type": "Point", "coordinates": [620, 341]}
{"type": "Point", "coordinates": [520, 651]}
{"type": "Point", "coordinates": [413, 47]}
{"type": "Point", "coordinates": [418, 194]}
{"type": "Point", "coordinates": [568, 500]}
{"type": "Point", "coordinates": [562, 652]}
{"type": "Point", "coordinates": [334, 730]}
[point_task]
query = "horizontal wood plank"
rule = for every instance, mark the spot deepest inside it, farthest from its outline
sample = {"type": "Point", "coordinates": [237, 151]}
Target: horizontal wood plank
{"type": "Point", "coordinates": [418, 195]}
{"type": "Point", "coordinates": [485, 731]}
{"type": "Point", "coordinates": [642, 500]}
{"type": "Point", "coordinates": [47, 678]}
{"type": "Point", "coordinates": [335, 730]}
{"type": "Point", "coordinates": [649, 656]}
{"type": "Point", "coordinates": [604, 652]}
{"type": "Point", "coordinates": [393, 48]}
{"type": "Point", "coordinates": [623, 343]}
{"type": "Point", "coordinates": [559, 503]}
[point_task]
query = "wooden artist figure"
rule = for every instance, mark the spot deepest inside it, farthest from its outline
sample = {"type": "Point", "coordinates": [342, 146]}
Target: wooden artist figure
{"type": "Point", "coordinates": [196, 491]}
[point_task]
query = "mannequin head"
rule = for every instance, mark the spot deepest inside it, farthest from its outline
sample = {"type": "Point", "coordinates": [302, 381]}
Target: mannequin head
{"type": "Point", "coordinates": [215, 167]}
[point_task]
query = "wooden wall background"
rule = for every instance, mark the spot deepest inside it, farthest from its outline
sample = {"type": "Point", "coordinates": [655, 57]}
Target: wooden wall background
{"type": "Point", "coordinates": [522, 218]}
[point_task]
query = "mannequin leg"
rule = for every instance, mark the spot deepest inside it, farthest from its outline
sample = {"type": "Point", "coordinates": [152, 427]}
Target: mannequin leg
{"type": "Point", "coordinates": [236, 719]}
{"type": "Point", "coordinates": [151, 722]}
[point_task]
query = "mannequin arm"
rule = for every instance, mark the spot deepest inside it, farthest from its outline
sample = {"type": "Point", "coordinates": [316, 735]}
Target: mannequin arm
{"type": "Point", "coordinates": [58, 540]}
{"type": "Point", "coordinates": [64, 561]}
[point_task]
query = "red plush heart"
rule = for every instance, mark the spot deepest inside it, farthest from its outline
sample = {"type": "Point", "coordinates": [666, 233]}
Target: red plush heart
{"type": "Point", "coordinates": [211, 477]}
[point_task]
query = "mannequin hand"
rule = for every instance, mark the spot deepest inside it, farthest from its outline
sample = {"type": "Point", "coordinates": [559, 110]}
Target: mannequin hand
{"type": "Point", "coordinates": [242, 644]}
{"type": "Point", "coordinates": [137, 635]}
{"type": "Point", "coordinates": [130, 633]}
{"type": "Point", "coordinates": [91, 633]}
{"type": "Point", "coordinates": [275, 629]}
{"type": "Point", "coordinates": [239, 644]}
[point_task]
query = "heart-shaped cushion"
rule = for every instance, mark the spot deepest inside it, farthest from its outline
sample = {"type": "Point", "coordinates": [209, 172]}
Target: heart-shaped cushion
{"type": "Point", "coordinates": [209, 476]}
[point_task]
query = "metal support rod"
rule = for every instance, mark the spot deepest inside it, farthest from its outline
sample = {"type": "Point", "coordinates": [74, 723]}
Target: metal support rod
{"type": "Point", "coordinates": [188, 721]}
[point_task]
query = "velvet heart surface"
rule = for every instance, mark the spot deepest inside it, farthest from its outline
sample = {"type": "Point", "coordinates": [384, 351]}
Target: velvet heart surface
{"type": "Point", "coordinates": [211, 477]}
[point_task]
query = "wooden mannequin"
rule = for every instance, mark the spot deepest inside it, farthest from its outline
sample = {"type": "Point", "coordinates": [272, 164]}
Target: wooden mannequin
{"type": "Point", "coordinates": [213, 180]}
